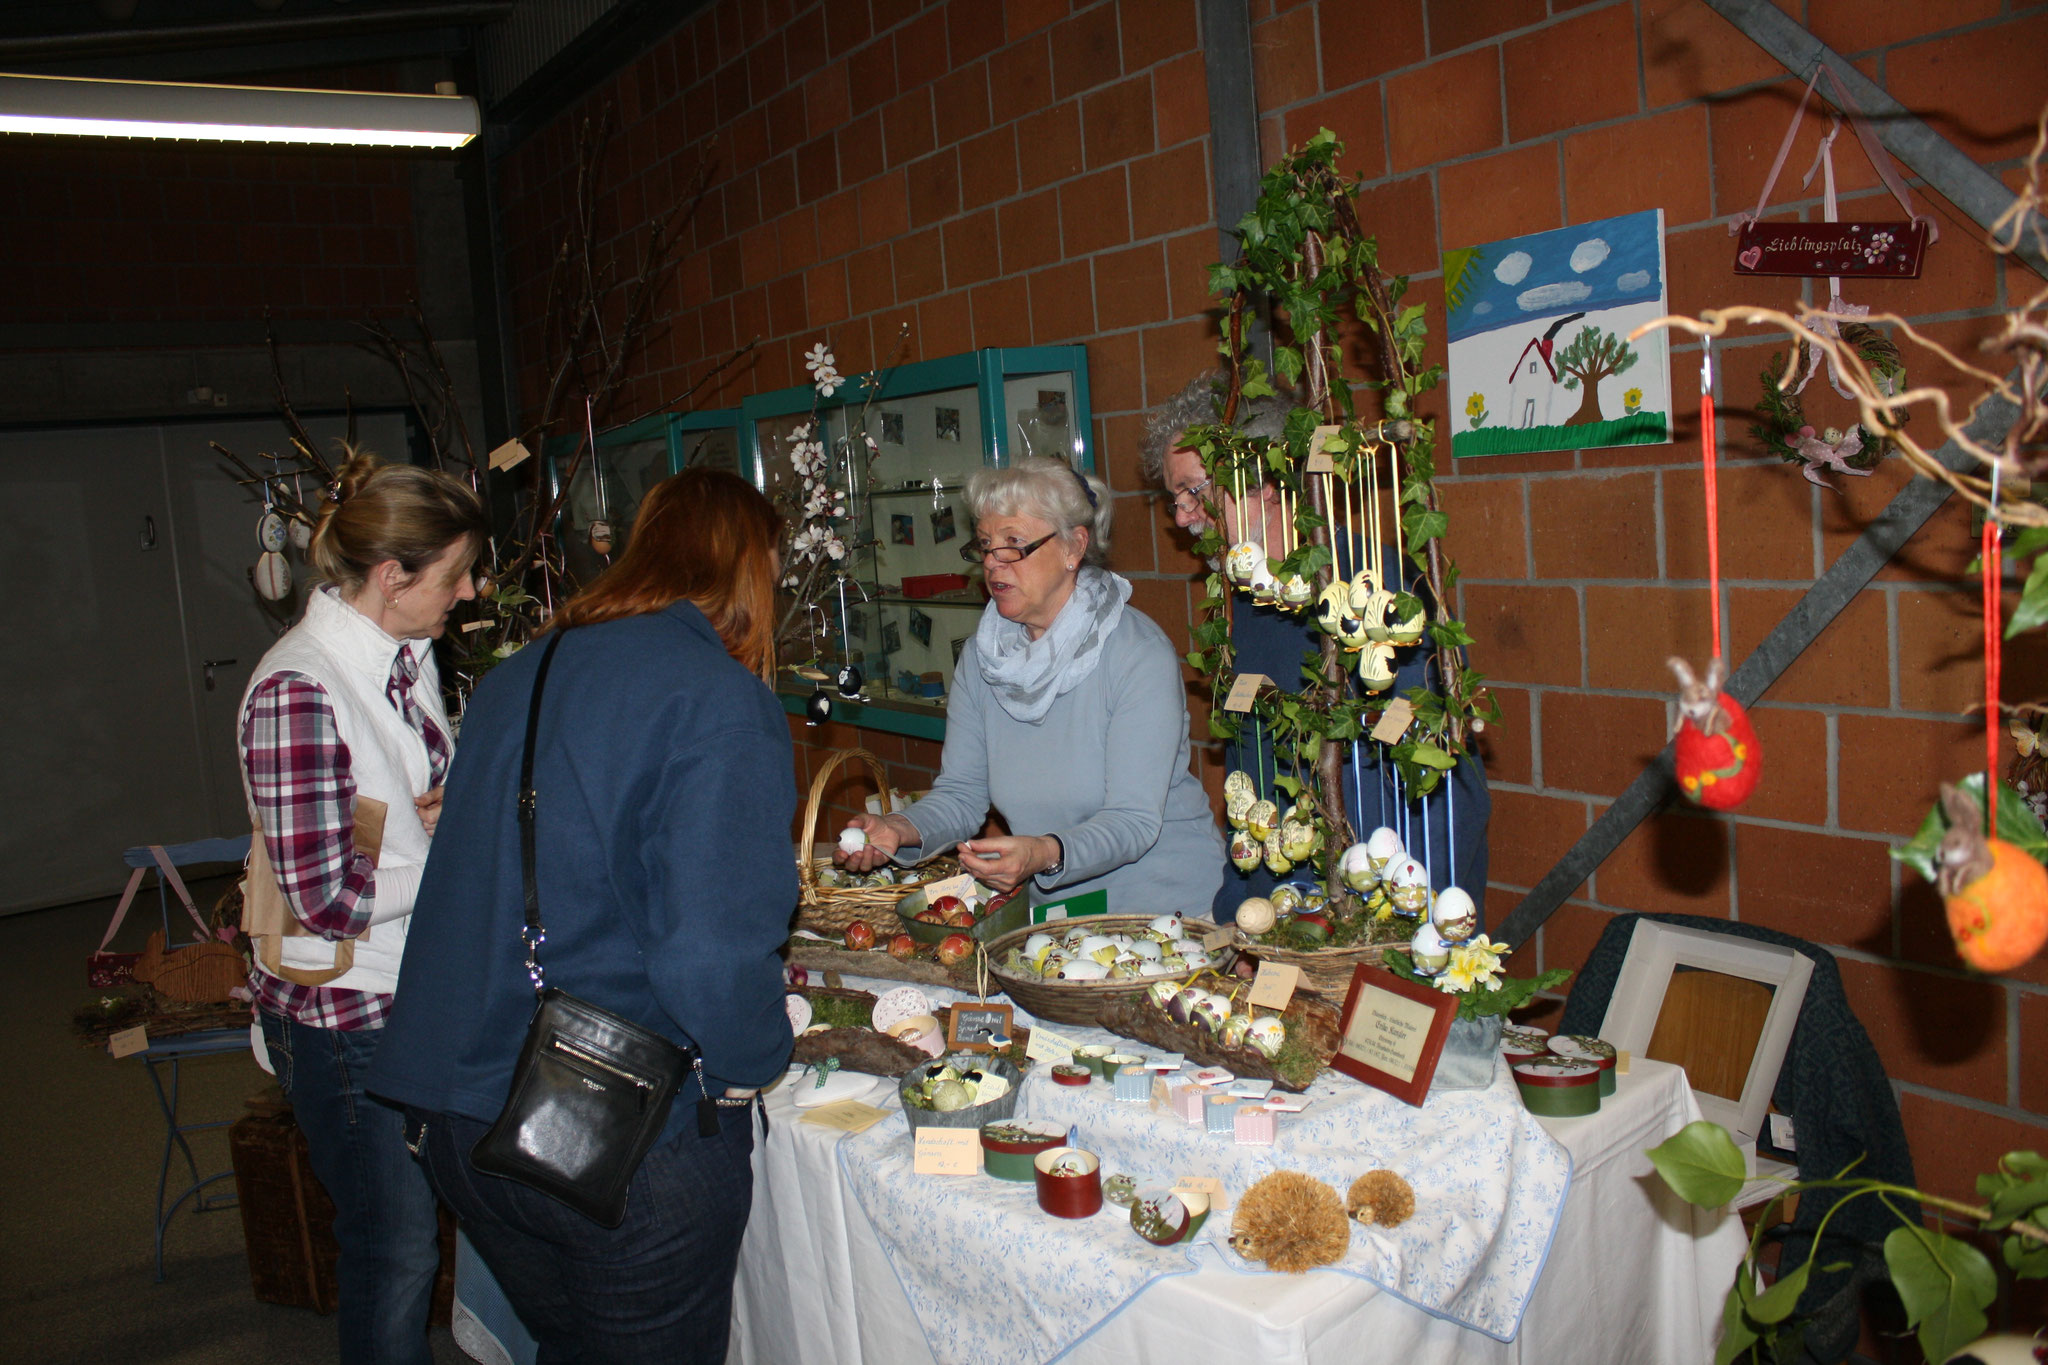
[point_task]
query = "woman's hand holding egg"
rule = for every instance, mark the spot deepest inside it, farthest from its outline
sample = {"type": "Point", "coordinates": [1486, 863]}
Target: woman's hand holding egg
{"type": "Point", "coordinates": [878, 836]}
{"type": "Point", "coordinates": [1016, 858]}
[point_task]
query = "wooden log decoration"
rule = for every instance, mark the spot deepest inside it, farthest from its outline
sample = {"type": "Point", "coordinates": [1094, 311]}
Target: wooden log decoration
{"type": "Point", "coordinates": [200, 974]}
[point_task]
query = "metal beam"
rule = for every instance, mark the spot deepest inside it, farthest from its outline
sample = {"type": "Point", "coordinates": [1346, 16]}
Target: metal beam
{"type": "Point", "coordinates": [1925, 152]}
{"type": "Point", "coordinates": [1902, 517]}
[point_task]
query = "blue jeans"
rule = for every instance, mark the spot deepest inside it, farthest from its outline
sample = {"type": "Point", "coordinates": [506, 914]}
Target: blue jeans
{"type": "Point", "coordinates": [658, 1288]}
{"type": "Point", "coordinates": [384, 1215]}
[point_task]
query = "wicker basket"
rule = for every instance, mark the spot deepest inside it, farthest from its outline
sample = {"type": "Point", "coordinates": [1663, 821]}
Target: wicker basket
{"type": "Point", "coordinates": [1310, 1018]}
{"type": "Point", "coordinates": [828, 910]}
{"type": "Point", "coordinates": [1326, 971]}
{"type": "Point", "coordinates": [1075, 1002]}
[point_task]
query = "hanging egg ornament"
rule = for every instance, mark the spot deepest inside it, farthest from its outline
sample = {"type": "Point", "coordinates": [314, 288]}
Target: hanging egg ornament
{"type": "Point", "coordinates": [1408, 884]}
{"type": "Point", "coordinates": [272, 576]}
{"type": "Point", "coordinates": [1261, 819]}
{"type": "Point", "coordinates": [1238, 798]}
{"type": "Point", "coordinates": [1383, 846]}
{"type": "Point", "coordinates": [1996, 895]}
{"type": "Point", "coordinates": [1408, 630]}
{"type": "Point", "coordinates": [1295, 591]}
{"type": "Point", "coordinates": [1376, 667]}
{"type": "Point", "coordinates": [1716, 756]}
{"type": "Point", "coordinates": [1277, 861]}
{"type": "Point", "coordinates": [1299, 839]}
{"type": "Point", "coordinates": [1356, 869]}
{"type": "Point", "coordinates": [1428, 950]}
{"type": "Point", "coordinates": [601, 536]}
{"type": "Point", "coordinates": [818, 707]}
{"type": "Point", "coordinates": [300, 534]}
{"type": "Point", "coordinates": [1455, 915]}
{"type": "Point", "coordinates": [1333, 606]}
{"type": "Point", "coordinates": [1243, 558]}
{"type": "Point", "coordinates": [1286, 899]}
{"type": "Point", "coordinates": [271, 532]}
{"type": "Point", "coordinates": [1245, 851]}
{"type": "Point", "coordinates": [848, 680]}
{"type": "Point", "coordinates": [1256, 914]}
{"type": "Point", "coordinates": [1265, 588]}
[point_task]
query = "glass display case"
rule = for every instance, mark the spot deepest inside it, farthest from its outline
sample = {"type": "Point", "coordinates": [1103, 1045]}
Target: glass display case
{"type": "Point", "coordinates": [903, 445]}
{"type": "Point", "coordinates": [597, 517]}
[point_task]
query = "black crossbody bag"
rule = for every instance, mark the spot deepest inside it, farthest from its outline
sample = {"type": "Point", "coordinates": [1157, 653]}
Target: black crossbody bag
{"type": "Point", "coordinates": [592, 1090]}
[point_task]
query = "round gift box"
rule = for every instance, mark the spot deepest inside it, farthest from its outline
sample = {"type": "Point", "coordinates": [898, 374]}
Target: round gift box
{"type": "Point", "coordinates": [1519, 1044]}
{"type": "Point", "coordinates": [1559, 1087]}
{"type": "Point", "coordinates": [1069, 1182]}
{"type": "Point", "coordinates": [1007, 1149]}
{"type": "Point", "coordinates": [1064, 1074]}
{"type": "Point", "coordinates": [1598, 1051]}
{"type": "Point", "coordinates": [1163, 1217]}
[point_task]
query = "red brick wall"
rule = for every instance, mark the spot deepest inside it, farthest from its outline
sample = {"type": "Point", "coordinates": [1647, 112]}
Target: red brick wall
{"type": "Point", "coordinates": [1035, 171]}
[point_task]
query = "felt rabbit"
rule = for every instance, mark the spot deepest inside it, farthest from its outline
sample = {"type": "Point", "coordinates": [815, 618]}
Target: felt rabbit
{"type": "Point", "coordinates": [1718, 760]}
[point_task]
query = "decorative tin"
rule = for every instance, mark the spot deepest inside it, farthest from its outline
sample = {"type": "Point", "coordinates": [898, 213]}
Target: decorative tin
{"type": "Point", "coordinates": [1065, 1074]}
{"type": "Point", "coordinates": [1256, 1126]}
{"type": "Point", "coordinates": [1187, 1101]}
{"type": "Point", "coordinates": [1559, 1087]}
{"type": "Point", "coordinates": [1007, 1149]}
{"type": "Point", "coordinates": [1220, 1114]}
{"type": "Point", "coordinates": [1092, 1056]}
{"type": "Point", "coordinates": [1596, 1050]}
{"type": "Point", "coordinates": [1133, 1084]}
{"type": "Point", "coordinates": [1164, 1217]}
{"type": "Point", "coordinates": [1120, 1190]}
{"type": "Point", "coordinates": [1069, 1182]}
{"type": "Point", "coordinates": [1519, 1044]}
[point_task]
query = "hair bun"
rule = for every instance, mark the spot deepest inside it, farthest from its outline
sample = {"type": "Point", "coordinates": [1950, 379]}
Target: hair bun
{"type": "Point", "coordinates": [355, 471]}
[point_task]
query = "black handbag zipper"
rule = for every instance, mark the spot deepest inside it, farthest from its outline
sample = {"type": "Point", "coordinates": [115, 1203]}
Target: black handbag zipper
{"type": "Point", "coordinates": [581, 1055]}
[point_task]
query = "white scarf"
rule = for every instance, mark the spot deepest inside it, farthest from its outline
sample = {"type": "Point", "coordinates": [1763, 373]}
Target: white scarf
{"type": "Point", "coordinates": [1029, 675]}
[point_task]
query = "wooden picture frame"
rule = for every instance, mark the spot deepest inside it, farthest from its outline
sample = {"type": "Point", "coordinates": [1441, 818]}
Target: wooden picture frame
{"type": "Point", "coordinates": [970, 1026]}
{"type": "Point", "coordinates": [1392, 1032]}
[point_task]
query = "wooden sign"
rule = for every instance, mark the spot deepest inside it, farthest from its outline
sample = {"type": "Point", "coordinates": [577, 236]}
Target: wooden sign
{"type": "Point", "coordinates": [1244, 691]}
{"type": "Point", "coordinates": [1878, 250]}
{"type": "Point", "coordinates": [947, 1151]}
{"type": "Point", "coordinates": [1393, 1033]}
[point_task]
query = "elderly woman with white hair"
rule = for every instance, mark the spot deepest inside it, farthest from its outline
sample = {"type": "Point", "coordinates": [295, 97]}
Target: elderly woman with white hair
{"type": "Point", "coordinates": [1068, 716]}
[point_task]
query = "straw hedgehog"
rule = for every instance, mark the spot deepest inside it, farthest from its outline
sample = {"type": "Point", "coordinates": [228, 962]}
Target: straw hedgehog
{"type": "Point", "coordinates": [1292, 1222]}
{"type": "Point", "coordinates": [1380, 1197]}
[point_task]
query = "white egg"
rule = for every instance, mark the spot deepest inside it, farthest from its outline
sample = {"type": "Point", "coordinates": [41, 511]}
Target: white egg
{"type": "Point", "coordinates": [1256, 914]}
{"type": "Point", "coordinates": [1243, 559]}
{"type": "Point", "coordinates": [1383, 846]}
{"type": "Point", "coordinates": [1357, 870]}
{"type": "Point", "coordinates": [1170, 925]}
{"type": "Point", "coordinates": [852, 839]}
{"type": "Point", "coordinates": [1148, 949]}
{"type": "Point", "coordinates": [1428, 950]}
{"type": "Point", "coordinates": [1084, 969]}
{"type": "Point", "coordinates": [1454, 914]}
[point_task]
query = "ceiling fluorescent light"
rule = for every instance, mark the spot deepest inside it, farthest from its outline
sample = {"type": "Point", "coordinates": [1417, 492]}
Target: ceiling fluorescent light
{"type": "Point", "coordinates": [232, 113]}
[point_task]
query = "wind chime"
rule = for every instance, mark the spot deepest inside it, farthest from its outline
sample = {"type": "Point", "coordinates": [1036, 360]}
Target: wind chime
{"type": "Point", "coordinates": [1717, 758]}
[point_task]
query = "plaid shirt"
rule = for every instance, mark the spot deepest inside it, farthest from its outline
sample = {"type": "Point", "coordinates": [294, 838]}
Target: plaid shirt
{"type": "Point", "coordinates": [300, 781]}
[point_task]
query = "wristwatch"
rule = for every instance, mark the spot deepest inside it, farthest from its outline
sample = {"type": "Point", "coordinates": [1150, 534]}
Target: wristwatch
{"type": "Point", "coordinates": [1059, 865]}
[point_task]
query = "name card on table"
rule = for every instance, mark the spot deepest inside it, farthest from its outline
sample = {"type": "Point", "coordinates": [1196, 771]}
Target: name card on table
{"type": "Point", "coordinates": [1274, 986]}
{"type": "Point", "coordinates": [960, 888]}
{"type": "Point", "coordinates": [1244, 691]}
{"type": "Point", "coordinates": [845, 1116]}
{"type": "Point", "coordinates": [1204, 1184]}
{"type": "Point", "coordinates": [947, 1151]}
{"type": "Point", "coordinates": [1047, 1046]}
{"type": "Point", "coordinates": [128, 1041]}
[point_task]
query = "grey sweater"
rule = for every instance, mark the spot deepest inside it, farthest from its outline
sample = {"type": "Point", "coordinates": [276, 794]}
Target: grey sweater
{"type": "Point", "coordinates": [1106, 770]}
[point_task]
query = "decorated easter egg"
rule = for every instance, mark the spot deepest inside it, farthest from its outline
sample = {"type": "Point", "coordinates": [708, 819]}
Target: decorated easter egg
{"type": "Point", "coordinates": [271, 533]}
{"type": "Point", "coordinates": [272, 576]}
{"type": "Point", "coordinates": [1428, 950]}
{"type": "Point", "coordinates": [1277, 861]}
{"type": "Point", "coordinates": [853, 839]}
{"type": "Point", "coordinates": [300, 534]}
{"type": "Point", "coordinates": [1232, 1032]}
{"type": "Point", "coordinates": [1408, 884]}
{"type": "Point", "coordinates": [1245, 851]}
{"type": "Point", "coordinates": [1295, 590]}
{"type": "Point", "coordinates": [1173, 926]}
{"type": "Point", "coordinates": [1383, 846]}
{"type": "Point", "coordinates": [1455, 915]}
{"type": "Point", "coordinates": [1286, 900]}
{"type": "Point", "coordinates": [1357, 870]}
{"type": "Point", "coordinates": [1267, 1035]}
{"type": "Point", "coordinates": [1261, 820]}
{"type": "Point", "coordinates": [1242, 559]}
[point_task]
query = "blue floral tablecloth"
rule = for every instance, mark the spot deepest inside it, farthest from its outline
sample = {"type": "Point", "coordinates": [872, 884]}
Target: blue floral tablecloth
{"type": "Point", "coordinates": [994, 1280]}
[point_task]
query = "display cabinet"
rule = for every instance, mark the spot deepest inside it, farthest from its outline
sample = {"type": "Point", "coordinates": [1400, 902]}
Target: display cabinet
{"type": "Point", "coordinates": [907, 602]}
{"type": "Point", "coordinates": [629, 460]}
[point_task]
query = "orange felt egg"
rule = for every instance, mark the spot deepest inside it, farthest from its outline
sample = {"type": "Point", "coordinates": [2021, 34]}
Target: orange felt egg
{"type": "Point", "coordinates": [2000, 919]}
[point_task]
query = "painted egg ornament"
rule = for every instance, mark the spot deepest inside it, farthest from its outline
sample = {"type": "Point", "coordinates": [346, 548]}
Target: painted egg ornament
{"type": "Point", "coordinates": [1261, 820]}
{"type": "Point", "coordinates": [1455, 915]}
{"type": "Point", "coordinates": [1383, 846]}
{"type": "Point", "coordinates": [1408, 884]}
{"type": "Point", "coordinates": [300, 533]}
{"type": "Point", "coordinates": [818, 707]}
{"type": "Point", "coordinates": [1182, 1003]}
{"type": "Point", "coordinates": [1428, 950]}
{"type": "Point", "coordinates": [272, 576]}
{"type": "Point", "coordinates": [1256, 914]}
{"type": "Point", "coordinates": [1995, 894]}
{"type": "Point", "coordinates": [1277, 861]}
{"type": "Point", "coordinates": [1286, 900]}
{"type": "Point", "coordinates": [1268, 1035]}
{"type": "Point", "coordinates": [1161, 992]}
{"type": "Point", "coordinates": [1716, 755]}
{"type": "Point", "coordinates": [1408, 630]}
{"type": "Point", "coordinates": [1376, 667]}
{"type": "Point", "coordinates": [1196, 956]}
{"type": "Point", "coordinates": [1295, 591]}
{"type": "Point", "coordinates": [1357, 870]}
{"type": "Point", "coordinates": [954, 949]}
{"type": "Point", "coordinates": [1233, 1030]}
{"type": "Point", "coordinates": [1298, 840]}
{"type": "Point", "coordinates": [848, 680]}
{"type": "Point", "coordinates": [1333, 605]}
{"type": "Point", "coordinates": [271, 532]}
{"type": "Point", "coordinates": [1172, 926]}
{"type": "Point", "coordinates": [601, 536]}
{"type": "Point", "coordinates": [1209, 1013]}
{"type": "Point", "coordinates": [1265, 588]}
{"type": "Point", "coordinates": [1245, 851]}
{"type": "Point", "coordinates": [860, 936]}
{"type": "Point", "coordinates": [1239, 795]}
{"type": "Point", "coordinates": [1242, 559]}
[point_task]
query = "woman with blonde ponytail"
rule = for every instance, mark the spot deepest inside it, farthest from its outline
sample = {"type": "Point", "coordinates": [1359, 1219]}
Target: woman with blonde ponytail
{"type": "Point", "coordinates": [344, 746]}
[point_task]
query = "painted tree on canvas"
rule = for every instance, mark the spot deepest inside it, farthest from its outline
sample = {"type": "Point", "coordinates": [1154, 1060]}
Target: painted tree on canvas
{"type": "Point", "coordinates": [1592, 356]}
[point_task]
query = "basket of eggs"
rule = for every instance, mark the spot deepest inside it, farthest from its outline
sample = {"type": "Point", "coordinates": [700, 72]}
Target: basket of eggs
{"type": "Point", "coordinates": [1069, 970]}
{"type": "Point", "coordinates": [830, 898]}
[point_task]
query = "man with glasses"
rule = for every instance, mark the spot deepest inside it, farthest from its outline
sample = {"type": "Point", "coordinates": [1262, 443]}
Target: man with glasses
{"type": "Point", "coordinates": [1274, 642]}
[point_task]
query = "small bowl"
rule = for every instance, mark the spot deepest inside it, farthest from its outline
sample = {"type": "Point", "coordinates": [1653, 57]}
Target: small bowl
{"type": "Point", "coordinates": [921, 1032]}
{"type": "Point", "coordinates": [1008, 1149]}
{"type": "Point", "coordinates": [1164, 1217]}
{"type": "Point", "coordinates": [1092, 1056]}
{"type": "Point", "coordinates": [1066, 1074]}
{"type": "Point", "coordinates": [1069, 1182]}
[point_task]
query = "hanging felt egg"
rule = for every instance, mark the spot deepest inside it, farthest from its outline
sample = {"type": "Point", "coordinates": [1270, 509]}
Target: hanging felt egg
{"type": "Point", "coordinates": [1717, 758]}
{"type": "Point", "coordinates": [272, 576]}
{"type": "Point", "coordinates": [601, 536]}
{"type": "Point", "coordinates": [1996, 895]}
{"type": "Point", "coordinates": [300, 533]}
{"type": "Point", "coordinates": [270, 531]}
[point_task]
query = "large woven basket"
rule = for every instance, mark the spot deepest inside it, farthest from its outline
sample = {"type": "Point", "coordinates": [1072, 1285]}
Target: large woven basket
{"type": "Point", "coordinates": [828, 910]}
{"type": "Point", "coordinates": [1326, 971]}
{"type": "Point", "coordinates": [1074, 1002]}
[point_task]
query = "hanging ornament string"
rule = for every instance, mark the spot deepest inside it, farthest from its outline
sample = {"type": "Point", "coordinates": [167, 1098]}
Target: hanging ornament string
{"type": "Point", "coordinates": [1713, 488]}
{"type": "Point", "coordinates": [1994, 623]}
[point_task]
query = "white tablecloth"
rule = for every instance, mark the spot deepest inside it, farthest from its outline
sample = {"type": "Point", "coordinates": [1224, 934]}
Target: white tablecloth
{"type": "Point", "coordinates": [1634, 1274]}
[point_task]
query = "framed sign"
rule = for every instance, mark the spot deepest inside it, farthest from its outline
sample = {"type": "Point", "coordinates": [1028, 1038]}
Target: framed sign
{"type": "Point", "coordinates": [975, 1028]}
{"type": "Point", "coordinates": [1393, 1032]}
{"type": "Point", "coordinates": [1886, 250]}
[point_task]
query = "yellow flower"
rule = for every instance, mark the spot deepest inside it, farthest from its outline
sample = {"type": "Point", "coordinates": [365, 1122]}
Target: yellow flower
{"type": "Point", "coordinates": [1632, 399]}
{"type": "Point", "coordinates": [1475, 405]}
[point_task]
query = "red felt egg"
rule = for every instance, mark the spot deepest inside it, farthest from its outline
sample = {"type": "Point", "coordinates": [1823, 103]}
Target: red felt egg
{"type": "Point", "coordinates": [1721, 769]}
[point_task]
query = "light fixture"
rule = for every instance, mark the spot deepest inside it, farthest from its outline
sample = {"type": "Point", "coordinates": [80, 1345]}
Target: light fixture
{"type": "Point", "coordinates": [232, 113]}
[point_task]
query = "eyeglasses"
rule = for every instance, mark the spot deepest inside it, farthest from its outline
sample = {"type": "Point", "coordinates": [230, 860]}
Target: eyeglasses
{"type": "Point", "coordinates": [975, 551]}
{"type": "Point", "coordinates": [1189, 499]}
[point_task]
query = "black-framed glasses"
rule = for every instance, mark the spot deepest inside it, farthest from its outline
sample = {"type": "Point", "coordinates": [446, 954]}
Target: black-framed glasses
{"type": "Point", "coordinates": [975, 551]}
{"type": "Point", "coordinates": [1190, 499]}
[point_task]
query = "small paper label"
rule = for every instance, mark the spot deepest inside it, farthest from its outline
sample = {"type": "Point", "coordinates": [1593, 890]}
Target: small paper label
{"type": "Point", "coordinates": [1621, 1069]}
{"type": "Point", "coordinates": [129, 1041]}
{"type": "Point", "coordinates": [1319, 461]}
{"type": "Point", "coordinates": [1171, 1062]}
{"type": "Point", "coordinates": [1244, 691]}
{"type": "Point", "coordinates": [845, 1116]}
{"type": "Point", "coordinates": [1204, 1184]}
{"type": "Point", "coordinates": [509, 454]}
{"type": "Point", "coordinates": [1047, 1046]}
{"type": "Point", "coordinates": [947, 1151]}
{"type": "Point", "coordinates": [960, 887]}
{"type": "Point", "coordinates": [1274, 986]}
{"type": "Point", "coordinates": [1218, 938]}
{"type": "Point", "coordinates": [1394, 721]}
{"type": "Point", "coordinates": [471, 626]}
{"type": "Point", "coordinates": [1781, 1132]}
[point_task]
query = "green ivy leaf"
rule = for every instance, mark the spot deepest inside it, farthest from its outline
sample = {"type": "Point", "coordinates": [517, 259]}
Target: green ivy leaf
{"type": "Point", "coordinates": [2032, 610]}
{"type": "Point", "coordinates": [1945, 1285]}
{"type": "Point", "coordinates": [1737, 1335]}
{"type": "Point", "coordinates": [2026, 1258]}
{"type": "Point", "coordinates": [1701, 1164]}
{"type": "Point", "coordinates": [1775, 1304]}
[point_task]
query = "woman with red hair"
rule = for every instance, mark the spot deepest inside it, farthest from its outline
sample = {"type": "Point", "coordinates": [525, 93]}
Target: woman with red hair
{"type": "Point", "coordinates": [664, 791]}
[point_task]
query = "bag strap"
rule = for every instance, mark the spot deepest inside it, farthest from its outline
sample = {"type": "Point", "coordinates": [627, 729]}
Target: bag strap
{"type": "Point", "coordinates": [121, 910]}
{"type": "Point", "coordinates": [534, 934]}
{"type": "Point", "coordinates": [169, 872]}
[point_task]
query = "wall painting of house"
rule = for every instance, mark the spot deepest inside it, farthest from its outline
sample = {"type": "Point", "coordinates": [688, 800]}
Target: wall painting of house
{"type": "Point", "coordinates": [1540, 358]}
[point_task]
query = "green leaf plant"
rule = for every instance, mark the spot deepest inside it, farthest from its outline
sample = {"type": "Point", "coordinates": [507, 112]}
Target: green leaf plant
{"type": "Point", "coordinates": [1304, 251]}
{"type": "Point", "coordinates": [1944, 1282]}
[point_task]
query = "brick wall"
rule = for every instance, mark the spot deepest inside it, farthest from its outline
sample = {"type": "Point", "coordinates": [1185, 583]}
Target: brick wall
{"type": "Point", "coordinates": [1036, 172]}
